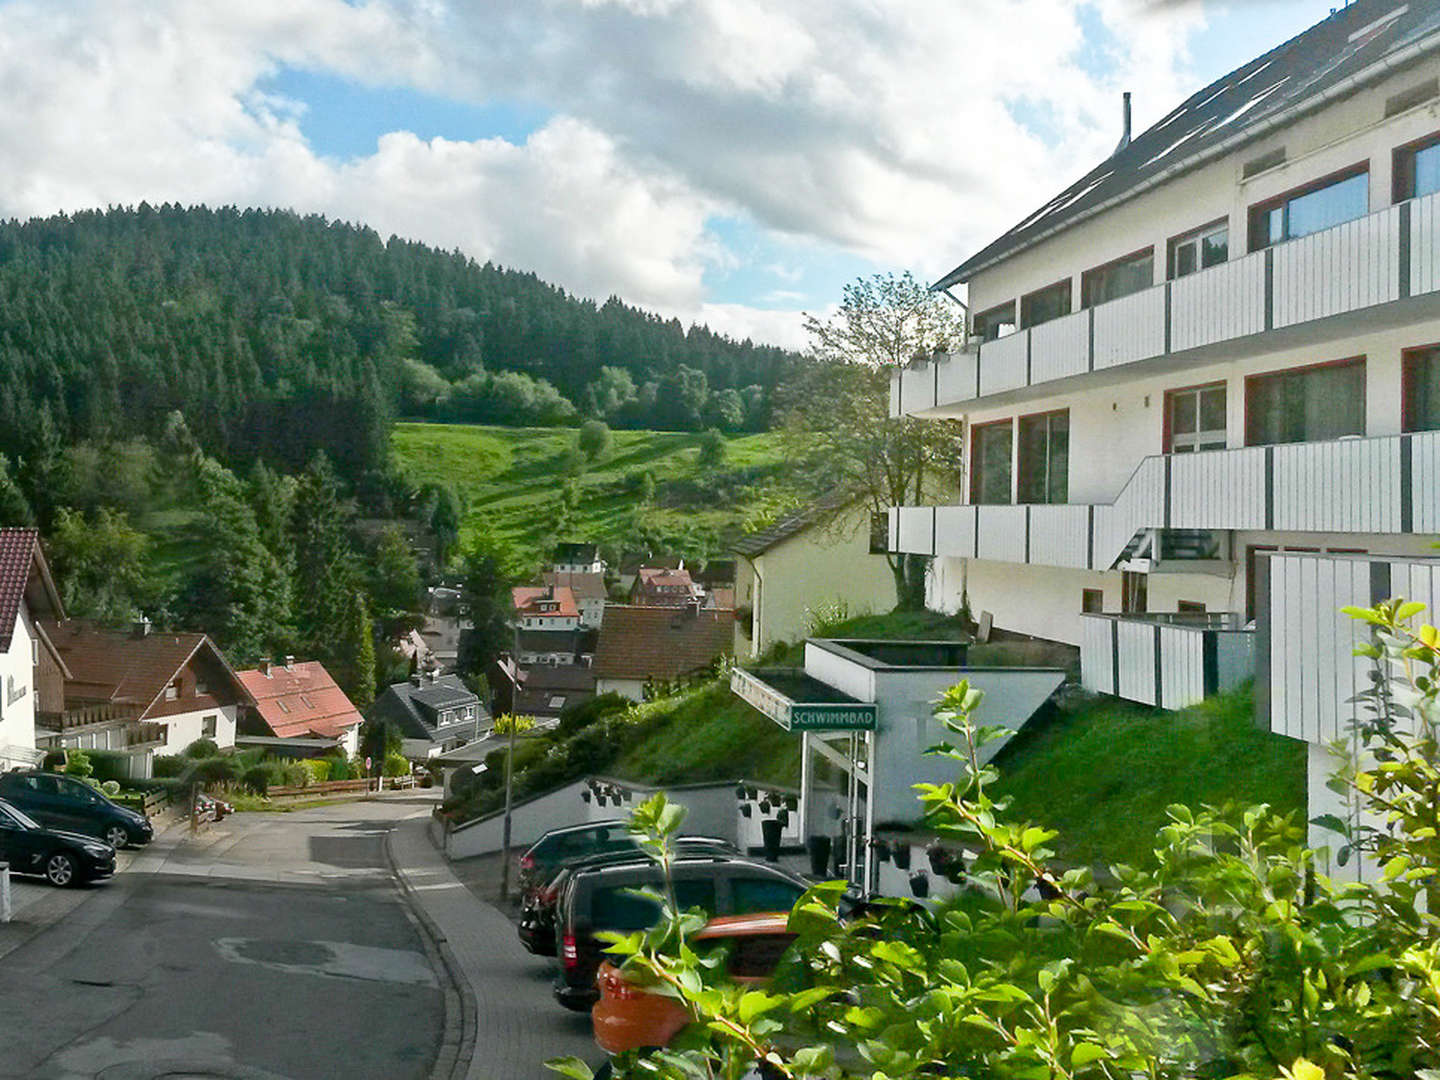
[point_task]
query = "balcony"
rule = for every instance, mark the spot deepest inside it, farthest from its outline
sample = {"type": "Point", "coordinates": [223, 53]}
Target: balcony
{"type": "Point", "coordinates": [1384, 485]}
{"type": "Point", "coordinates": [1370, 264]}
{"type": "Point", "coordinates": [1169, 661]}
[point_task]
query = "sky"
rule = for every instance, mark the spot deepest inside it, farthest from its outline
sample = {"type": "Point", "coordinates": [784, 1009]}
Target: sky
{"type": "Point", "coordinates": [733, 162]}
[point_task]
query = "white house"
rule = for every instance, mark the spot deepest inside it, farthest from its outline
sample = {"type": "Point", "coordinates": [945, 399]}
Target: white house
{"type": "Point", "coordinates": [1218, 345]}
{"type": "Point", "coordinates": [577, 559]}
{"type": "Point", "coordinates": [30, 670]}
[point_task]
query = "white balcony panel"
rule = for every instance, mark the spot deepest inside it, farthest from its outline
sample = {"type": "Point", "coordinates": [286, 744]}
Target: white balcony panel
{"type": "Point", "coordinates": [1002, 363]}
{"type": "Point", "coordinates": [1425, 245]}
{"type": "Point", "coordinates": [1140, 505]}
{"type": "Point", "coordinates": [956, 381]}
{"type": "Point", "coordinates": [1002, 533]}
{"type": "Point", "coordinates": [1131, 328]}
{"type": "Point", "coordinates": [955, 530]}
{"type": "Point", "coordinates": [1182, 666]}
{"type": "Point", "coordinates": [1060, 535]}
{"type": "Point", "coordinates": [914, 532]}
{"type": "Point", "coordinates": [1224, 302]}
{"type": "Point", "coordinates": [1060, 348]}
{"type": "Point", "coordinates": [1349, 485]}
{"type": "Point", "coordinates": [1352, 266]}
{"type": "Point", "coordinates": [1218, 490]}
{"type": "Point", "coordinates": [1136, 642]}
{"type": "Point", "coordinates": [1097, 658]}
{"type": "Point", "coordinates": [917, 388]}
{"type": "Point", "coordinates": [1425, 482]}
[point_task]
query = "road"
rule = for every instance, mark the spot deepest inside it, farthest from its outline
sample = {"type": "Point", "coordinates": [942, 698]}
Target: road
{"type": "Point", "coordinates": [271, 946]}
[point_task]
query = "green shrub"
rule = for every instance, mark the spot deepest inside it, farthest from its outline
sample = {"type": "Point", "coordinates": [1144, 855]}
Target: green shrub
{"type": "Point", "coordinates": [293, 774]}
{"type": "Point", "coordinates": [77, 764]}
{"type": "Point", "coordinates": [396, 765]}
{"type": "Point", "coordinates": [339, 768]}
{"type": "Point", "coordinates": [169, 765]}
{"type": "Point", "coordinates": [317, 770]}
{"type": "Point", "coordinates": [216, 770]}
{"type": "Point", "coordinates": [111, 788]}
{"type": "Point", "coordinates": [257, 779]}
{"type": "Point", "coordinates": [202, 748]}
{"type": "Point", "coordinates": [581, 715]}
{"type": "Point", "coordinates": [108, 765]}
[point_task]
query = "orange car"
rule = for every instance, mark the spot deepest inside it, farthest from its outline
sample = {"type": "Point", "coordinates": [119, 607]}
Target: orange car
{"type": "Point", "coordinates": [630, 1018]}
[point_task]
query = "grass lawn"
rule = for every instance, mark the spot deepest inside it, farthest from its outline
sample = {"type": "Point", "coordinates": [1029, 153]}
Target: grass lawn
{"type": "Point", "coordinates": [1104, 771]}
{"type": "Point", "coordinates": [510, 479]}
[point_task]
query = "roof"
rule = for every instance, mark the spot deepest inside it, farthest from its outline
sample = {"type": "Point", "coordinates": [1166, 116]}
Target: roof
{"type": "Point", "coordinates": [722, 598]}
{"type": "Point", "coordinates": [581, 586]}
{"type": "Point", "coordinates": [300, 700]}
{"type": "Point", "coordinates": [24, 574]}
{"type": "Point", "coordinates": [663, 586]}
{"type": "Point", "coordinates": [559, 677]}
{"type": "Point", "coordinates": [117, 666]}
{"type": "Point", "coordinates": [660, 642]}
{"type": "Point", "coordinates": [760, 542]}
{"type": "Point", "coordinates": [576, 553]}
{"type": "Point", "coordinates": [547, 640]}
{"type": "Point", "coordinates": [1370, 37]}
{"type": "Point", "coordinates": [716, 572]}
{"type": "Point", "coordinates": [529, 600]}
{"type": "Point", "coordinates": [412, 708]}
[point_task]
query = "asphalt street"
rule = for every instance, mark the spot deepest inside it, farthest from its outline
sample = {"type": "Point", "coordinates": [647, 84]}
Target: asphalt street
{"type": "Point", "coordinates": [272, 945]}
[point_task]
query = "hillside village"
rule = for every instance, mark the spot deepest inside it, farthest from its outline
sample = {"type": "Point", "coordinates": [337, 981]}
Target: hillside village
{"type": "Point", "coordinates": [1043, 692]}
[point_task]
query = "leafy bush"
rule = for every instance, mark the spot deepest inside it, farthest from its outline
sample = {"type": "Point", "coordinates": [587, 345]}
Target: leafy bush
{"type": "Point", "coordinates": [396, 765]}
{"type": "Point", "coordinates": [111, 788]}
{"type": "Point", "coordinates": [168, 765]}
{"type": "Point", "coordinates": [339, 768]}
{"type": "Point", "coordinates": [293, 774]}
{"type": "Point", "coordinates": [215, 770]}
{"type": "Point", "coordinates": [584, 713]}
{"type": "Point", "coordinates": [108, 765]}
{"type": "Point", "coordinates": [202, 748]}
{"type": "Point", "coordinates": [317, 770]}
{"type": "Point", "coordinates": [77, 764]}
{"type": "Point", "coordinates": [257, 779]}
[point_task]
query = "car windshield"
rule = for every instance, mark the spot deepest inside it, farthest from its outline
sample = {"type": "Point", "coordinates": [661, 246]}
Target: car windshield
{"type": "Point", "coordinates": [19, 818]}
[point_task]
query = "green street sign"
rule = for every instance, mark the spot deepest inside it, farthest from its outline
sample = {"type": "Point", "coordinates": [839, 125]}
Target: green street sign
{"type": "Point", "coordinates": [818, 717]}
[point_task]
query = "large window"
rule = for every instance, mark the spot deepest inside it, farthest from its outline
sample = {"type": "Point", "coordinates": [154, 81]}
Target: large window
{"type": "Point", "coordinates": [1045, 304]}
{"type": "Point", "coordinates": [990, 450]}
{"type": "Point", "coordinates": [1330, 202]}
{"type": "Point", "coordinates": [1417, 169]}
{"type": "Point", "coordinates": [994, 323]}
{"type": "Point", "coordinates": [1045, 457]}
{"type": "Point", "coordinates": [1119, 278]}
{"type": "Point", "coordinates": [1422, 389]}
{"type": "Point", "coordinates": [1195, 419]}
{"type": "Point", "coordinates": [1199, 250]}
{"type": "Point", "coordinates": [1306, 404]}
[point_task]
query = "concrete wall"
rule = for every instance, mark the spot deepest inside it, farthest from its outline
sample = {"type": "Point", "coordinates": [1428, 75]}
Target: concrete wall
{"type": "Point", "coordinates": [183, 729]}
{"type": "Point", "coordinates": [634, 689]}
{"type": "Point", "coordinates": [17, 692]}
{"type": "Point", "coordinates": [822, 566]}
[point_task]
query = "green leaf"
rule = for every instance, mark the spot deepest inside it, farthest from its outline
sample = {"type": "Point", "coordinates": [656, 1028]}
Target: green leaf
{"type": "Point", "coordinates": [754, 1003]}
{"type": "Point", "coordinates": [1084, 1053]}
{"type": "Point", "coordinates": [570, 1066]}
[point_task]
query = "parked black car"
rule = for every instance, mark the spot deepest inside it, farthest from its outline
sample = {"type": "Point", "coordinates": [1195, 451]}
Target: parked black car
{"type": "Point", "coordinates": [537, 914]}
{"type": "Point", "coordinates": [63, 858]}
{"type": "Point", "coordinates": [602, 898]}
{"type": "Point", "coordinates": [62, 802]}
{"type": "Point", "coordinates": [558, 846]}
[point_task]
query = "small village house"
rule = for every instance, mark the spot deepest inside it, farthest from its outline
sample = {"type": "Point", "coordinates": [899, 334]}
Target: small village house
{"type": "Point", "coordinates": [31, 672]}
{"type": "Point", "coordinates": [641, 647]}
{"type": "Point", "coordinates": [299, 700]}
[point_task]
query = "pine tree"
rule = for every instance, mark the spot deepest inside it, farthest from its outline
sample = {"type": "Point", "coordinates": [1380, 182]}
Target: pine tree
{"type": "Point", "coordinates": [355, 665]}
{"type": "Point", "coordinates": [326, 573]}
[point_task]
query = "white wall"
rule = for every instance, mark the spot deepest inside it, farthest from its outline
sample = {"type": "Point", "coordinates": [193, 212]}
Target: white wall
{"type": "Point", "coordinates": [17, 692]}
{"type": "Point", "coordinates": [634, 689]}
{"type": "Point", "coordinates": [183, 729]}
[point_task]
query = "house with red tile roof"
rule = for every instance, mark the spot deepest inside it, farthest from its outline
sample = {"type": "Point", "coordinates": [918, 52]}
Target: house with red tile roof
{"type": "Point", "coordinates": [299, 700]}
{"type": "Point", "coordinates": [140, 691]}
{"type": "Point", "coordinates": [642, 646]}
{"type": "Point", "coordinates": [663, 587]}
{"type": "Point", "coordinates": [544, 607]}
{"type": "Point", "coordinates": [588, 590]}
{"type": "Point", "coordinates": [31, 673]}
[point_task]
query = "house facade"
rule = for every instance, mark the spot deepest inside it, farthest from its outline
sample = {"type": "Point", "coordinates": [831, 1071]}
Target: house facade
{"type": "Point", "coordinates": [664, 587]}
{"type": "Point", "coordinates": [299, 700]}
{"type": "Point", "coordinates": [640, 647]}
{"type": "Point", "coordinates": [1216, 349]}
{"type": "Point", "coordinates": [434, 713]}
{"type": "Point", "coordinates": [577, 559]}
{"type": "Point", "coordinates": [31, 673]}
{"type": "Point", "coordinates": [587, 590]}
{"type": "Point", "coordinates": [818, 559]}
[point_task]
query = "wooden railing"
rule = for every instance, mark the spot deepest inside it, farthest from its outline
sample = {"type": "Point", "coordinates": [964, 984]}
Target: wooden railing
{"type": "Point", "coordinates": [87, 716]}
{"type": "Point", "coordinates": [1390, 255]}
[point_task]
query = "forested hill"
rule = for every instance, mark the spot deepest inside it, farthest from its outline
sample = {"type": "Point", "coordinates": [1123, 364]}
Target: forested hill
{"type": "Point", "coordinates": [277, 334]}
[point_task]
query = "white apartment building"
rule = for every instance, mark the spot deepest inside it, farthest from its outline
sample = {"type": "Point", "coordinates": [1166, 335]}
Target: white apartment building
{"type": "Point", "coordinates": [1220, 345]}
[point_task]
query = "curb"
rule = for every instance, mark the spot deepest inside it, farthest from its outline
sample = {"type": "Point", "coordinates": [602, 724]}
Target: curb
{"type": "Point", "coordinates": [457, 1047]}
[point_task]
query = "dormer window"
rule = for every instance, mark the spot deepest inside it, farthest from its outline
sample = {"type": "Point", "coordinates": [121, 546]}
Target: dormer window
{"type": "Point", "coordinates": [172, 691]}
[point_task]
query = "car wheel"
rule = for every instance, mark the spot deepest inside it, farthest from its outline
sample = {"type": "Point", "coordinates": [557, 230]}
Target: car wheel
{"type": "Point", "coordinates": [60, 870]}
{"type": "Point", "coordinates": [117, 837]}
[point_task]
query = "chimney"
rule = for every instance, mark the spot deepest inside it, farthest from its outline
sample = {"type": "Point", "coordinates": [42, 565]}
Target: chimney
{"type": "Point", "coordinates": [141, 627]}
{"type": "Point", "coordinates": [1125, 133]}
{"type": "Point", "coordinates": [289, 662]}
{"type": "Point", "coordinates": [265, 668]}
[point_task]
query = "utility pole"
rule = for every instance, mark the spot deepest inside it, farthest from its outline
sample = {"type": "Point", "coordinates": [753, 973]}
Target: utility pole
{"type": "Point", "coordinates": [505, 840]}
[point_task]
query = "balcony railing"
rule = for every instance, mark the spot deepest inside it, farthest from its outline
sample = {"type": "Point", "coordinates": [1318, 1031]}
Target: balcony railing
{"type": "Point", "coordinates": [1387, 484]}
{"type": "Point", "coordinates": [1390, 255]}
{"type": "Point", "coordinates": [87, 716]}
{"type": "Point", "coordinates": [1169, 661]}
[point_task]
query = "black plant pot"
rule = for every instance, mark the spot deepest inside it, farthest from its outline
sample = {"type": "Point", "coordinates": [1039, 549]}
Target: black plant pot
{"type": "Point", "coordinates": [740, 792]}
{"type": "Point", "coordinates": [783, 817]}
{"type": "Point", "coordinates": [819, 848]}
{"type": "Point", "coordinates": [764, 806]}
{"type": "Point", "coordinates": [882, 851]}
{"type": "Point", "coordinates": [746, 809]}
{"type": "Point", "coordinates": [902, 856]}
{"type": "Point", "coordinates": [792, 802]}
{"type": "Point", "coordinates": [586, 796]}
{"type": "Point", "coordinates": [920, 884]}
{"type": "Point", "coordinates": [770, 839]}
{"type": "Point", "coordinates": [939, 858]}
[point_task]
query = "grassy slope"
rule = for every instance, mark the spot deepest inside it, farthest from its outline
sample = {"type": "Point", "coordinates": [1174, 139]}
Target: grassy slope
{"type": "Point", "coordinates": [510, 477]}
{"type": "Point", "coordinates": [1103, 773]}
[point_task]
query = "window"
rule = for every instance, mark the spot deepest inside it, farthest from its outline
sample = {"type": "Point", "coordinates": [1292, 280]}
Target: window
{"type": "Point", "coordinates": [1421, 399]}
{"type": "Point", "coordinates": [990, 452]}
{"type": "Point", "coordinates": [1332, 201]}
{"type": "Point", "coordinates": [1200, 249]}
{"type": "Point", "coordinates": [207, 727]}
{"type": "Point", "coordinates": [172, 691]}
{"type": "Point", "coordinates": [1306, 404]}
{"type": "Point", "coordinates": [1417, 169]}
{"type": "Point", "coordinates": [1189, 607]}
{"type": "Point", "coordinates": [1134, 593]}
{"type": "Point", "coordinates": [1195, 419]}
{"type": "Point", "coordinates": [752, 894]}
{"type": "Point", "coordinates": [1092, 601]}
{"type": "Point", "coordinates": [995, 323]}
{"type": "Point", "coordinates": [1045, 304]}
{"type": "Point", "coordinates": [1119, 278]}
{"type": "Point", "coordinates": [1045, 457]}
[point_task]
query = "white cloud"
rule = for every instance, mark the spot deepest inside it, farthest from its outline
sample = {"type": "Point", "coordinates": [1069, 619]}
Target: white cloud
{"type": "Point", "coordinates": [886, 128]}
